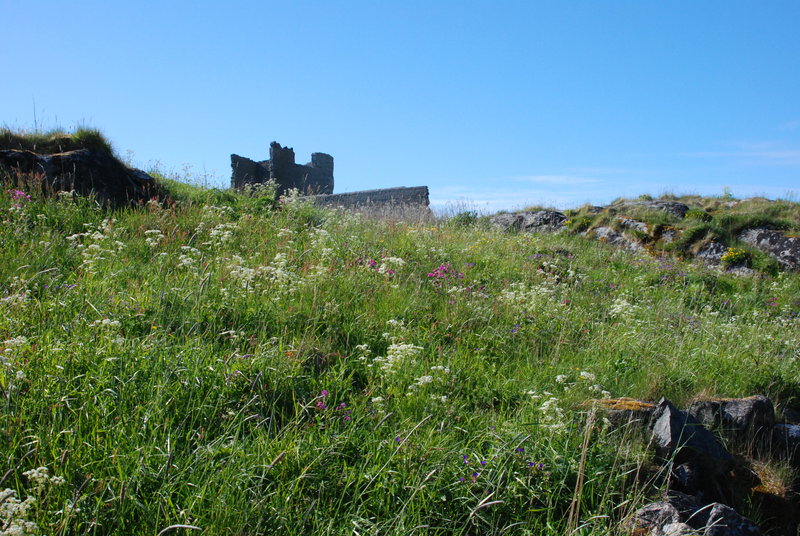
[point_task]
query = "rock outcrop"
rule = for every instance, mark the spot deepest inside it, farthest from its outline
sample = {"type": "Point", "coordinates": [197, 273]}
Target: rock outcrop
{"type": "Point", "coordinates": [86, 171]}
{"type": "Point", "coordinates": [638, 236]}
{"type": "Point", "coordinates": [784, 249]}
{"type": "Point", "coordinates": [675, 208]}
{"type": "Point", "coordinates": [531, 222]}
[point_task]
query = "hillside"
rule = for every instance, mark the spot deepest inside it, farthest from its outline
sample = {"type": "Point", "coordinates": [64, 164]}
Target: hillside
{"type": "Point", "coordinates": [236, 365]}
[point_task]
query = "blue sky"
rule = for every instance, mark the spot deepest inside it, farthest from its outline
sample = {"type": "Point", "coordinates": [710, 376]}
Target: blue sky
{"type": "Point", "coordinates": [492, 104]}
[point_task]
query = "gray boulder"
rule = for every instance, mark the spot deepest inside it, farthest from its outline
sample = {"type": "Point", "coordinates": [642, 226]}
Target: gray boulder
{"type": "Point", "coordinates": [725, 521]}
{"type": "Point", "coordinates": [784, 249]}
{"type": "Point", "coordinates": [751, 416]}
{"type": "Point", "coordinates": [680, 437]}
{"type": "Point", "coordinates": [680, 514]}
{"type": "Point", "coordinates": [675, 208]}
{"type": "Point", "coordinates": [654, 517]}
{"type": "Point", "coordinates": [786, 441]}
{"type": "Point", "coordinates": [531, 222]}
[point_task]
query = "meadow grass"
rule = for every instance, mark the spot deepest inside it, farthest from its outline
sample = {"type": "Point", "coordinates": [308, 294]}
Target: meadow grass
{"type": "Point", "coordinates": [222, 364]}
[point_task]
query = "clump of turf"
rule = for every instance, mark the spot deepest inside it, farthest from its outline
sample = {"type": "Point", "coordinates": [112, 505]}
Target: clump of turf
{"type": "Point", "coordinates": [54, 141]}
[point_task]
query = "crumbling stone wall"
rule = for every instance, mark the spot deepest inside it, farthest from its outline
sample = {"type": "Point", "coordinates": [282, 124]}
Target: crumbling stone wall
{"type": "Point", "coordinates": [415, 195]}
{"type": "Point", "coordinates": [314, 178]}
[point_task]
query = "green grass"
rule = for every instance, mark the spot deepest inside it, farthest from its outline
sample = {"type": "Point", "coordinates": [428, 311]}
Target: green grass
{"type": "Point", "coordinates": [245, 366]}
{"type": "Point", "coordinates": [54, 141]}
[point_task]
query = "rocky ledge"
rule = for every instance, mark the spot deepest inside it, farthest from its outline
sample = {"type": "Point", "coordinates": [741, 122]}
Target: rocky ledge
{"type": "Point", "coordinates": [705, 484]}
{"type": "Point", "coordinates": [86, 171]}
{"type": "Point", "coordinates": [637, 236]}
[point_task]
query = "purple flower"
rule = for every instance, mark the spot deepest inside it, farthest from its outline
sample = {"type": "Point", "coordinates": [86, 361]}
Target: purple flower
{"type": "Point", "coordinates": [483, 462]}
{"type": "Point", "coordinates": [466, 460]}
{"type": "Point", "coordinates": [520, 449]}
{"type": "Point", "coordinates": [324, 392]}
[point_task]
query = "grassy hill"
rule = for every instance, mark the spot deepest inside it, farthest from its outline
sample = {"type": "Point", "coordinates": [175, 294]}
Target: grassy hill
{"type": "Point", "coordinates": [241, 366]}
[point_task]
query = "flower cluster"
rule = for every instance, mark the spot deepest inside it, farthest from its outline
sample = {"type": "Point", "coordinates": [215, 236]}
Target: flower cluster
{"type": "Point", "coordinates": [735, 257]}
{"type": "Point", "coordinates": [444, 272]}
{"type": "Point", "coordinates": [153, 237]}
{"type": "Point", "coordinates": [622, 308]}
{"type": "Point", "coordinates": [336, 410]}
{"type": "Point", "coordinates": [524, 298]}
{"type": "Point", "coordinates": [19, 197]}
{"type": "Point", "coordinates": [9, 355]}
{"type": "Point", "coordinates": [386, 266]}
{"type": "Point", "coordinates": [14, 513]}
{"type": "Point", "coordinates": [396, 355]}
{"type": "Point", "coordinates": [97, 244]}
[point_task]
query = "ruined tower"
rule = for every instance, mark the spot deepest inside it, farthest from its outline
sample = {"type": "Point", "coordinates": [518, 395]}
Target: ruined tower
{"type": "Point", "coordinates": [313, 178]}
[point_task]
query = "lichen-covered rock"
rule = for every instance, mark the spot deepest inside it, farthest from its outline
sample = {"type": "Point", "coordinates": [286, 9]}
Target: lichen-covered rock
{"type": "Point", "coordinates": [655, 517]}
{"type": "Point", "coordinates": [725, 521]}
{"type": "Point", "coordinates": [712, 252]}
{"type": "Point", "coordinates": [784, 249]}
{"type": "Point", "coordinates": [635, 225]}
{"type": "Point", "coordinates": [614, 238]}
{"type": "Point", "coordinates": [677, 529]}
{"type": "Point", "coordinates": [681, 514]}
{"type": "Point", "coordinates": [530, 222]}
{"type": "Point", "coordinates": [626, 411]}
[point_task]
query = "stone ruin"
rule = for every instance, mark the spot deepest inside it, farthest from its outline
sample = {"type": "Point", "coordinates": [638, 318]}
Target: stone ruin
{"type": "Point", "coordinates": [314, 178]}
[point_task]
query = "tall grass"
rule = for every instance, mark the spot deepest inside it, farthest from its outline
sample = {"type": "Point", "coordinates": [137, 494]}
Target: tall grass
{"type": "Point", "coordinates": [226, 365]}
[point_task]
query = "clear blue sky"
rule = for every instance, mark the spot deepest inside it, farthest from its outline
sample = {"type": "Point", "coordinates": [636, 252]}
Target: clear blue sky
{"type": "Point", "coordinates": [500, 103]}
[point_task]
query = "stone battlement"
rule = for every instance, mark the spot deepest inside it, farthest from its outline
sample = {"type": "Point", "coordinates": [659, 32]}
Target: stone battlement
{"type": "Point", "coordinates": [316, 177]}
